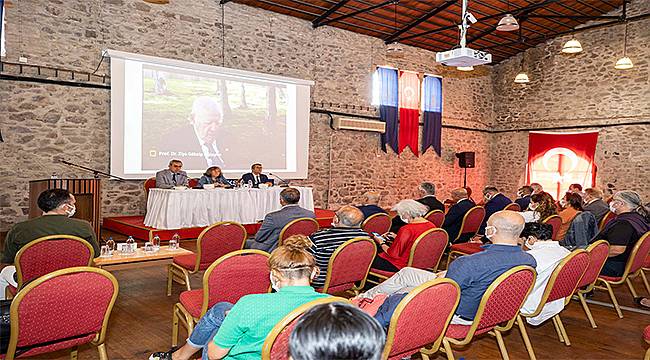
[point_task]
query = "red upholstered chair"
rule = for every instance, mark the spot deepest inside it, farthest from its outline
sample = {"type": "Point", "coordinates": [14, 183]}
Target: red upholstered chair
{"type": "Point", "coordinates": [561, 285]}
{"type": "Point", "coordinates": [349, 265]}
{"type": "Point", "coordinates": [148, 185]}
{"type": "Point", "coordinates": [436, 217]}
{"type": "Point", "coordinates": [47, 254]}
{"type": "Point", "coordinates": [62, 310]}
{"type": "Point", "coordinates": [192, 183]}
{"type": "Point", "coordinates": [646, 337]}
{"type": "Point", "coordinates": [471, 222]}
{"type": "Point", "coordinates": [214, 241]}
{"type": "Point", "coordinates": [607, 218]}
{"type": "Point", "coordinates": [461, 249]}
{"type": "Point", "coordinates": [421, 319]}
{"type": "Point", "coordinates": [301, 226]}
{"type": "Point", "coordinates": [646, 267]}
{"type": "Point", "coordinates": [379, 223]}
{"type": "Point", "coordinates": [276, 344]}
{"type": "Point", "coordinates": [513, 207]}
{"type": "Point", "coordinates": [598, 252]}
{"type": "Point", "coordinates": [232, 276]}
{"type": "Point", "coordinates": [497, 311]}
{"type": "Point", "coordinates": [555, 221]}
{"type": "Point", "coordinates": [633, 268]}
{"type": "Point", "coordinates": [426, 252]}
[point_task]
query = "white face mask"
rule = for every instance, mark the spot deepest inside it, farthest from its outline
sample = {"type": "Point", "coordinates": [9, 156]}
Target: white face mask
{"type": "Point", "coordinates": [612, 208]}
{"type": "Point", "coordinates": [563, 203]}
{"type": "Point", "coordinates": [71, 210]}
{"type": "Point", "coordinates": [490, 231]}
{"type": "Point", "coordinates": [533, 207]}
{"type": "Point", "coordinates": [274, 284]}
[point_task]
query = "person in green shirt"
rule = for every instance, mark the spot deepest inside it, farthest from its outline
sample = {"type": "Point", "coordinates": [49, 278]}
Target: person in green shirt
{"type": "Point", "coordinates": [58, 206]}
{"type": "Point", "coordinates": [238, 331]}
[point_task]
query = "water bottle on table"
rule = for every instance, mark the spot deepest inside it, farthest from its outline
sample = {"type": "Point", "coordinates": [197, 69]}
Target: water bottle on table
{"type": "Point", "coordinates": [111, 245]}
{"type": "Point", "coordinates": [130, 245]}
{"type": "Point", "coordinates": [250, 184]}
{"type": "Point", "coordinates": [173, 243]}
{"type": "Point", "coordinates": [155, 242]}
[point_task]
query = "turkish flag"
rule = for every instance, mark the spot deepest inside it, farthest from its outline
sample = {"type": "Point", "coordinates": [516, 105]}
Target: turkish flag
{"type": "Point", "coordinates": [409, 111]}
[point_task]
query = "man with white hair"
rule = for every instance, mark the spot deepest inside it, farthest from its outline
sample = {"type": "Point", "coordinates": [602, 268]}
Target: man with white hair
{"type": "Point", "coordinates": [206, 118]}
{"type": "Point", "coordinates": [428, 192]}
{"type": "Point", "coordinates": [594, 203]}
{"type": "Point", "coordinates": [370, 205]}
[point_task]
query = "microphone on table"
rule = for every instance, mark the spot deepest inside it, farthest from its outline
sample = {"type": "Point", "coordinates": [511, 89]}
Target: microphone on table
{"type": "Point", "coordinates": [284, 183]}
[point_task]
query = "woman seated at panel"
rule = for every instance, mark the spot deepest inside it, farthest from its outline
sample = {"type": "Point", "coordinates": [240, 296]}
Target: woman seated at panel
{"type": "Point", "coordinates": [214, 176]}
{"type": "Point", "coordinates": [541, 206]}
{"type": "Point", "coordinates": [572, 205]}
{"type": "Point", "coordinates": [239, 330]}
{"type": "Point", "coordinates": [396, 255]}
{"type": "Point", "coordinates": [631, 222]}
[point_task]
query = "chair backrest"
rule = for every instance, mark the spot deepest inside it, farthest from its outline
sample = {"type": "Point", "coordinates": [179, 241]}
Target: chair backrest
{"type": "Point", "coordinates": [61, 310]}
{"type": "Point", "coordinates": [192, 183]}
{"type": "Point", "coordinates": [234, 275]}
{"type": "Point", "coordinates": [148, 184]}
{"type": "Point", "coordinates": [607, 218]}
{"type": "Point", "coordinates": [513, 207]}
{"type": "Point", "coordinates": [471, 221]}
{"type": "Point", "coordinates": [598, 252]}
{"type": "Point", "coordinates": [276, 344]}
{"type": "Point", "coordinates": [503, 299]}
{"type": "Point", "coordinates": [379, 223]}
{"type": "Point", "coordinates": [50, 253]}
{"type": "Point", "coordinates": [421, 318]}
{"type": "Point", "coordinates": [349, 265]}
{"type": "Point", "coordinates": [428, 248]}
{"type": "Point", "coordinates": [638, 255]}
{"type": "Point", "coordinates": [436, 217]}
{"type": "Point", "coordinates": [555, 221]}
{"type": "Point", "coordinates": [218, 240]}
{"type": "Point", "coordinates": [301, 226]}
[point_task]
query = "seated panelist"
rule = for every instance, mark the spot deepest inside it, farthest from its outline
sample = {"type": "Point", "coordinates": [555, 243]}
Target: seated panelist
{"type": "Point", "coordinates": [214, 176]}
{"type": "Point", "coordinates": [172, 176]}
{"type": "Point", "coordinates": [256, 177]}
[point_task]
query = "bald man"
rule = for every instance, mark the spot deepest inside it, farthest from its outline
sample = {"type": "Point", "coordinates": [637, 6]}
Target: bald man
{"type": "Point", "coordinates": [454, 217]}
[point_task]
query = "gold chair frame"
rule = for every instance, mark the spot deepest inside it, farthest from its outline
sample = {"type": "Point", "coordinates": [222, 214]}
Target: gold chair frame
{"type": "Point", "coordinates": [496, 332]}
{"type": "Point", "coordinates": [511, 205]}
{"type": "Point", "coordinates": [625, 278]}
{"type": "Point", "coordinates": [100, 338]}
{"type": "Point", "coordinates": [601, 223]}
{"type": "Point", "coordinates": [363, 224]}
{"type": "Point", "coordinates": [549, 218]}
{"type": "Point", "coordinates": [338, 250]}
{"type": "Point", "coordinates": [581, 292]}
{"type": "Point", "coordinates": [180, 275]}
{"type": "Point", "coordinates": [435, 211]}
{"type": "Point", "coordinates": [180, 315]}
{"type": "Point", "coordinates": [295, 313]}
{"type": "Point", "coordinates": [392, 327]}
{"type": "Point", "coordinates": [557, 321]}
{"type": "Point", "coordinates": [284, 229]}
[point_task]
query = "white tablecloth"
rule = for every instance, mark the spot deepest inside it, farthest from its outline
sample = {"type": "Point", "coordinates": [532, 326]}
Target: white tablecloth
{"type": "Point", "coordinates": [175, 209]}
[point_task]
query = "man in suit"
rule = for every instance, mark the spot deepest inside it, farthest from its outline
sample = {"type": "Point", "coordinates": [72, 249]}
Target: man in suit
{"type": "Point", "coordinates": [454, 217]}
{"type": "Point", "coordinates": [428, 193]}
{"type": "Point", "coordinates": [172, 176]}
{"type": "Point", "coordinates": [494, 202]}
{"type": "Point", "coordinates": [595, 204]}
{"type": "Point", "coordinates": [267, 236]}
{"type": "Point", "coordinates": [256, 177]}
{"type": "Point", "coordinates": [371, 205]}
{"type": "Point", "coordinates": [523, 197]}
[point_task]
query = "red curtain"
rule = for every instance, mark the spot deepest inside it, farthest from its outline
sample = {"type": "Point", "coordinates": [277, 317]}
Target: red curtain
{"type": "Point", "coordinates": [557, 160]}
{"type": "Point", "coordinates": [409, 111]}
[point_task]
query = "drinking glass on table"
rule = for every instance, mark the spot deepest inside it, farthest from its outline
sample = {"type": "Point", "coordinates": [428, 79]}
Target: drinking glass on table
{"type": "Point", "coordinates": [105, 251]}
{"type": "Point", "coordinates": [148, 247]}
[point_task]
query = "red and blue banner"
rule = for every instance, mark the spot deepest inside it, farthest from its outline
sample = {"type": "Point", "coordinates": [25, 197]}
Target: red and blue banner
{"type": "Point", "coordinates": [432, 113]}
{"type": "Point", "coordinates": [388, 97]}
{"type": "Point", "coordinates": [409, 111]}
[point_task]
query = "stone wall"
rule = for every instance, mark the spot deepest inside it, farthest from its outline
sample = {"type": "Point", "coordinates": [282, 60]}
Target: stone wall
{"type": "Point", "coordinates": [42, 123]}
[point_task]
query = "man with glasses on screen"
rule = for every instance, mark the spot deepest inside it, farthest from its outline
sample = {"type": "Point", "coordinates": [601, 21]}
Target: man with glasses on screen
{"type": "Point", "coordinates": [206, 118]}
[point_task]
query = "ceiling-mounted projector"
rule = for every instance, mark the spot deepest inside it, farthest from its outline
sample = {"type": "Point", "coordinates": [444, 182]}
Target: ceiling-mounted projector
{"type": "Point", "coordinates": [464, 56]}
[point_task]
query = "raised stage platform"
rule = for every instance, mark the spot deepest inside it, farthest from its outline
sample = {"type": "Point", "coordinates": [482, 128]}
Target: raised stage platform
{"type": "Point", "coordinates": [134, 226]}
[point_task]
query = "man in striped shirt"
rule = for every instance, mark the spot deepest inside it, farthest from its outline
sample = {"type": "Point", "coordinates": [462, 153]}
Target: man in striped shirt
{"type": "Point", "coordinates": [346, 225]}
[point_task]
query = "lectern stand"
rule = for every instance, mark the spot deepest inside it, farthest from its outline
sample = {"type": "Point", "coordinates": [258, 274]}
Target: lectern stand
{"type": "Point", "coordinates": [86, 192]}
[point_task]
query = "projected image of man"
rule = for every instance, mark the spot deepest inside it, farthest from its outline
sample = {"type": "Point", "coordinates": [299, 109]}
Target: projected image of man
{"type": "Point", "coordinates": [206, 118]}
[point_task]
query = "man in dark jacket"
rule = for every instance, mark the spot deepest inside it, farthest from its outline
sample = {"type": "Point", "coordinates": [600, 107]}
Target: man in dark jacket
{"type": "Point", "coordinates": [594, 203]}
{"type": "Point", "coordinates": [454, 217]}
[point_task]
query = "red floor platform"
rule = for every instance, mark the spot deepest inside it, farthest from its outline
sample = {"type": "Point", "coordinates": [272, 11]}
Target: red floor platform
{"type": "Point", "coordinates": [134, 226]}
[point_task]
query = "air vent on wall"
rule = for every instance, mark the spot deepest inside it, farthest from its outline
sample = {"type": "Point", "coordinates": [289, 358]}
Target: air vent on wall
{"type": "Point", "coordinates": [345, 123]}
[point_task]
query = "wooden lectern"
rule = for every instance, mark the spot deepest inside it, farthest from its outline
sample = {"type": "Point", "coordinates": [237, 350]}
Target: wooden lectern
{"type": "Point", "coordinates": [86, 192]}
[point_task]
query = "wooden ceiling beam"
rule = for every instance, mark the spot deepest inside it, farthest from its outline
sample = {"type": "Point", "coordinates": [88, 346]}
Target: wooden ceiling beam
{"type": "Point", "coordinates": [328, 12]}
{"type": "Point", "coordinates": [419, 20]}
{"type": "Point", "coordinates": [357, 12]}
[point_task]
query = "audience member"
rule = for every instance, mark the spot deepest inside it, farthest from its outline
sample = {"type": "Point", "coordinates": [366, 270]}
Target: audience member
{"type": "Point", "coordinates": [494, 201]}
{"type": "Point", "coordinates": [523, 197]}
{"type": "Point", "coordinates": [454, 217]}
{"type": "Point", "coordinates": [631, 222]}
{"type": "Point", "coordinates": [267, 236]}
{"type": "Point", "coordinates": [336, 331]}
{"type": "Point", "coordinates": [593, 202]}
{"type": "Point", "coordinates": [608, 193]}
{"type": "Point", "coordinates": [396, 255]}
{"type": "Point", "coordinates": [172, 176]}
{"type": "Point", "coordinates": [370, 205]}
{"type": "Point", "coordinates": [346, 225]}
{"type": "Point", "coordinates": [537, 188]}
{"type": "Point", "coordinates": [428, 192]}
{"type": "Point", "coordinates": [571, 205]}
{"type": "Point", "coordinates": [214, 176]}
{"type": "Point", "coordinates": [541, 207]}
{"type": "Point", "coordinates": [58, 206]}
{"type": "Point", "coordinates": [581, 232]}
{"type": "Point", "coordinates": [576, 189]}
{"type": "Point", "coordinates": [238, 331]}
{"type": "Point", "coordinates": [255, 177]}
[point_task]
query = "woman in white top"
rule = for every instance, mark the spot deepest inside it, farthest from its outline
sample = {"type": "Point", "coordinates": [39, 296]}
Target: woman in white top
{"type": "Point", "coordinates": [541, 206]}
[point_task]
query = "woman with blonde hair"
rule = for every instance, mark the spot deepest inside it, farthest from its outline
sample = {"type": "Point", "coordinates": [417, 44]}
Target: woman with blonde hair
{"type": "Point", "coordinates": [239, 330]}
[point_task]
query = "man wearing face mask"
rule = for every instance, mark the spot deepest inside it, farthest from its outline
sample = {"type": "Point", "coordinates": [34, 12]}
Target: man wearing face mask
{"type": "Point", "coordinates": [58, 207]}
{"type": "Point", "coordinates": [523, 197]}
{"type": "Point", "coordinates": [494, 201]}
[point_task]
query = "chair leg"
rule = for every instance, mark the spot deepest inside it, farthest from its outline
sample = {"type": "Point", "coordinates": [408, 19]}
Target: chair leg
{"type": "Point", "coordinates": [585, 307]}
{"type": "Point", "coordinates": [524, 335]}
{"type": "Point", "coordinates": [502, 345]}
{"type": "Point", "coordinates": [170, 277]}
{"type": "Point", "coordinates": [614, 301]}
{"type": "Point", "coordinates": [563, 330]}
{"type": "Point", "coordinates": [101, 348]}
{"type": "Point", "coordinates": [557, 329]}
{"type": "Point", "coordinates": [647, 355]}
{"type": "Point", "coordinates": [448, 350]}
{"type": "Point", "coordinates": [629, 285]}
{"type": "Point", "coordinates": [187, 280]}
{"type": "Point", "coordinates": [73, 353]}
{"type": "Point", "coordinates": [175, 327]}
{"type": "Point", "coordinates": [645, 281]}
